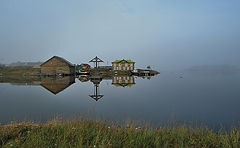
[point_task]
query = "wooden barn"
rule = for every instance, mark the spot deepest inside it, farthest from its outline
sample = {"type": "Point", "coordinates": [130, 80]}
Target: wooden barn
{"type": "Point", "coordinates": [57, 84]}
{"type": "Point", "coordinates": [57, 66]}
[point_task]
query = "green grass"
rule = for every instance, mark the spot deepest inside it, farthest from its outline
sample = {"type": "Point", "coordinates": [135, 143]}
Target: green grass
{"type": "Point", "coordinates": [19, 70]}
{"type": "Point", "coordinates": [90, 133]}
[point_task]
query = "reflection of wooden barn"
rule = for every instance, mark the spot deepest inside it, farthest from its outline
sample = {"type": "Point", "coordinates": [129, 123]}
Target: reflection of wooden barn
{"type": "Point", "coordinates": [57, 65]}
{"type": "Point", "coordinates": [57, 84]}
{"type": "Point", "coordinates": [123, 81]}
{"type": "Point", "coordinates": [123, 65]}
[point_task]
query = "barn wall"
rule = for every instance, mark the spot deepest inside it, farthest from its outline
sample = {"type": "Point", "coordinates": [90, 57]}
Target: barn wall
{"type": "Point", "coordinates": [56, 66]}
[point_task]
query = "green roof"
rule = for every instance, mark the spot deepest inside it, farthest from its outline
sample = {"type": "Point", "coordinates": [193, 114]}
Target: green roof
{"type": "Point", "coordinates": [118, 61]}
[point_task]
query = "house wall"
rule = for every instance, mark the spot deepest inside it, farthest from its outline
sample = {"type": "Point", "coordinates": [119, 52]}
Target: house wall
{"type": "Point", "coordinates": [123, 66]}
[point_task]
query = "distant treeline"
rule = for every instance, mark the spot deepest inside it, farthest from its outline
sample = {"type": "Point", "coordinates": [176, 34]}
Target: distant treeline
{"type": "Point", "coordinates": [21, 64]}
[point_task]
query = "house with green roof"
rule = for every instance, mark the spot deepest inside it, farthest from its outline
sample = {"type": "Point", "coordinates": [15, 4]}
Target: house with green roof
{"type": "Point", "coordinates": [123, 65]}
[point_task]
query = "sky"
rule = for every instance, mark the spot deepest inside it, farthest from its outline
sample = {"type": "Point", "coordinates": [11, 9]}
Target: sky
{"type": "Point", "coordinates": [165, 34]}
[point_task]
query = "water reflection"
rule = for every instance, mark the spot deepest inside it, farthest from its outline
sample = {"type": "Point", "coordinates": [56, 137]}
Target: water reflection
{"type": "Point", "coordinates": [123, 81]}
{"type": "Point", "coordinates": [57, 84]}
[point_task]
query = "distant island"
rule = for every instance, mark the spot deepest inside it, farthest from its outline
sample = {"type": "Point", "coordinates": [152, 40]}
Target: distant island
{"type": "Point", "coordinates": [58, 66]}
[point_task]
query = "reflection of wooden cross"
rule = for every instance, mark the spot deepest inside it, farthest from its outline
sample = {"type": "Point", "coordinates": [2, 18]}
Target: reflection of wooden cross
{"type": "Point", "coordinates": [96, 96]}
{"type": "Point", "coordinates": [96, 60]}
{"type": "Point", "coordinates": [96, 79]}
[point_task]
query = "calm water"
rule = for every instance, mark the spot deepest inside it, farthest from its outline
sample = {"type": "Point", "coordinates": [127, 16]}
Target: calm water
{"type": "Point", "coordinates": [190, 97]}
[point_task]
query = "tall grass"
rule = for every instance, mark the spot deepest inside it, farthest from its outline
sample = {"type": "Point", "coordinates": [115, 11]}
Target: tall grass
{"type": "Point", "coordinates": [90, 133]}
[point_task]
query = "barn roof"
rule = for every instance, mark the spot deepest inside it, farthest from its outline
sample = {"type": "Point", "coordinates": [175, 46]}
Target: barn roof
{"type": "Point", "coordinates": [60, 58]}
{"type": "Point", "coordinates": [118, 61]}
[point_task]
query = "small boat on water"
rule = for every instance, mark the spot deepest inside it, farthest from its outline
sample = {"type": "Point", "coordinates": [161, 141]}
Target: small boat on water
{"type": "Point", "coordinates": [144, 72]}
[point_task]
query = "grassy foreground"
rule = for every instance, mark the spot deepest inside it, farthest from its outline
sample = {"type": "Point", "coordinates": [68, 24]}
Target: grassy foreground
{"type": "Point", "coordinates": [89, 133]}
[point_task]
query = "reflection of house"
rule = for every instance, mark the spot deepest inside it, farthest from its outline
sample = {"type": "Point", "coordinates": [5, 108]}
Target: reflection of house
{"type": "Point", "coordinates": [123, 65]}
{"type": "Point", "coordinates": [57, 84]}
{"type": "Point", "coordinates": [57, 65]}
{"type": "Point", "coordinates": [123, 81]}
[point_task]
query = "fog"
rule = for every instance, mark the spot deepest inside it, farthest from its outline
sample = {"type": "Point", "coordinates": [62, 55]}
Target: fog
{"type": "Point", "coordinates": [164, 34]}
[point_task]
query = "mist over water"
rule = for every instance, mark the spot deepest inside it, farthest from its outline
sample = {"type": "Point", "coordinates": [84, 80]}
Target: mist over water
{"type": "Point", "coordinates": [165, 35]}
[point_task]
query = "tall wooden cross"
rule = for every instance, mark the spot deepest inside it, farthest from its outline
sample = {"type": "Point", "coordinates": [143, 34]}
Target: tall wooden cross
{"type": "Point", "coordinates": [96, 60]}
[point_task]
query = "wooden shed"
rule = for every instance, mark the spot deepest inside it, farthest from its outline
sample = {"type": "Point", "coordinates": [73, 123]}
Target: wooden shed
{"type": "Point", "coordinates": [57, 65]}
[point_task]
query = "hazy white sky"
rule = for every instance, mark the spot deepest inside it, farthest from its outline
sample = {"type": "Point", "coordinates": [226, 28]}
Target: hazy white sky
{"type": "Point", "coordinates": [163, 34]}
